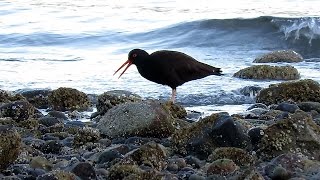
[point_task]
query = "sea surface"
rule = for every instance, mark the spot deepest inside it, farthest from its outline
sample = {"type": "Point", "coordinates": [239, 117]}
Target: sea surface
{"type": "Point", "coordinates": [80, 44]}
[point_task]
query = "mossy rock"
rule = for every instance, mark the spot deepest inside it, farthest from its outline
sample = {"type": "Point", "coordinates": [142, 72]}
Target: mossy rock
{"type": "Point", "coordinates": [109, 99]}
{"type": "Point", "coordinates": [17, 110]}
{"type": "Point", "coordinates": [85, 135]}
{"type": "Point", "coordinates": [65, 99]}
{"type": "Point", "coordinates": [288, 56]}
{"type": "Point", "coordinates": [177, 111]}
{"type": "Point", "coordinates": [240, 156]}
{"type": "Point", "coordinates": [182, 137]}
{"type": "Point", "coordinates": [7, 96]}
{"type": "Point", "coordinates": [10, 144]}
{"type": "Point", "coordinates": [297, 91]}
{"type": "Point", "coordinates": [268, 72]}
{"type": "Point", "coordinates": [150, 154]}
{"type": "Point", "coordinates": [295, 134]}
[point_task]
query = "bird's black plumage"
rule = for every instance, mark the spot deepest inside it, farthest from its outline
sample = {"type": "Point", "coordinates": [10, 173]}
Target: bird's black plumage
{"type": "Point", "coordinates": [171, 68]}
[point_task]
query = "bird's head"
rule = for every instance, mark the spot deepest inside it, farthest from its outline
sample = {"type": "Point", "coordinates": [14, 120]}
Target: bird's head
{"type": "Point", "coordinates": [133, 56]}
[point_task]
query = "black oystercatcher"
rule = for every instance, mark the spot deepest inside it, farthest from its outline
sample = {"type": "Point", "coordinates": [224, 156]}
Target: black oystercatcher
{"type": "Point", "coordinates": [171, 68]}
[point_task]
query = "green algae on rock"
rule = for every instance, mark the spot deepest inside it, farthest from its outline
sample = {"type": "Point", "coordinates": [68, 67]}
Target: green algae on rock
{"type": "Point", "coordinates": [296, 134]}
{"type": "Point", "coordinates": [297, 91]}
{"type": "Point", "coordinates": [268, 72]}
{"type": "Point", "coordinates": [65, 99]}
{"type": "Point", "coordinates": [10, 144]}
{"type": "Point", "coordinates": [288, 56]}
{"type": "Point", "coordinates": [109, 99]}
{"type": "Point", "coordinates": [145, 119]}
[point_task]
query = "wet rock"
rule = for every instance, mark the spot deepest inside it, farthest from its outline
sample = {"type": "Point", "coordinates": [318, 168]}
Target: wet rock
{"type": "Point", "coordinates": [268, 72]}
{"type": "Point", "coordinates": [240, 156]}
{"type": "Point", "coordinates": [202, 137]}
{"type": "Point", "coordinates": [287, 107]}
{"type": "Point", "coordinates": [309, 106]}
{"type": "Point", "coordinates": [17, 110]}
{"type": "Point", "coordinates": [110, 99]}
{"type": "Point", "coordinates": [145, 119]}
{"type": "Point", "coordinates": [84, 170]}
{"type": "Point", "coordinates": [288, 56]}
{"type": "Point", "coordinates": [10, 144]}
{"type": "Point", "coordinates": [85, 135]}
{"type": "Point", "coordinates": [65, 99]}
{"type": "Point", "coordinates": [38, 98]}
{"type": "Point", "coordinates": [296, 134]}
{"type": "Point", "coordinates": [222, 167]}
{"type": "Point", "coordinates": [297, 91]}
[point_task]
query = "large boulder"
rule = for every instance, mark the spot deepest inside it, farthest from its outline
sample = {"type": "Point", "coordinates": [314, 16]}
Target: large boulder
{"type": "Point", "coordinates": [110, 99]}
{"type": "Point", "coordinates": [296, 134]}
{"type": "Point", "coordinates": [268, 72]}
{"type": "Point", "coordinates": [289, 56]}
{"type": "Point", "coordinates": [65, 99]}
{"type": "Point", "coordinates": [10, 144]}
{"type": "Point", "coordinates": [297, 91]}
{"type": "Point", "coordinates": [146, 119]}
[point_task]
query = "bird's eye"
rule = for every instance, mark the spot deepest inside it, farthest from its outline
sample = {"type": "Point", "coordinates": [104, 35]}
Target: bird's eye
{"type": "Point", "coordinates": [134, 55]}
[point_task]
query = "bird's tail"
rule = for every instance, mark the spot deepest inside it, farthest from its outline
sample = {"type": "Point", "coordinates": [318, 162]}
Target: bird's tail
{"type": "Point", "coordinates": [217, 71]}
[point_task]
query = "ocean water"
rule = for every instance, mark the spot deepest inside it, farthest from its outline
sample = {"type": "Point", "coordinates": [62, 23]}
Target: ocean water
{"type": "Point", "coordinates": [80, 44]}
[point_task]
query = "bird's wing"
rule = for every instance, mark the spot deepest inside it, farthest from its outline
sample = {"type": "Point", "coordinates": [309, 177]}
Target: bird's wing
{"type": "Point", "coordinates": [182, 67]}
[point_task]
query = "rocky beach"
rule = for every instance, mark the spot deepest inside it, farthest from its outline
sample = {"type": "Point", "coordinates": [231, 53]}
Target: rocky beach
{"type": "Point", "coordinates": [43, 135]}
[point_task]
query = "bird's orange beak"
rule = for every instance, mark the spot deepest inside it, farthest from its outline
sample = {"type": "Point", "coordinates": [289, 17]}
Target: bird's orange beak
{"type": "Point", "coordinates": [127, 62]}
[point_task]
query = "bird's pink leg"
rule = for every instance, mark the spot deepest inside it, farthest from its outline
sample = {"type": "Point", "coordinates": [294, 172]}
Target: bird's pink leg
{"type": "Point", "coordinates": [173, 95]}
